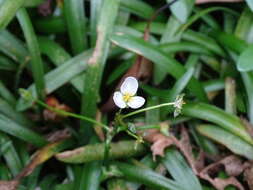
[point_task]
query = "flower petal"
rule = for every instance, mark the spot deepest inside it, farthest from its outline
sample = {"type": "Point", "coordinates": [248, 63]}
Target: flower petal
{"type": "Point", "coordinates": [118, 100]}
{"type": "Point", "coordinates": [136, 102]}
{"type": "Point", "coordinates": [129, 86]}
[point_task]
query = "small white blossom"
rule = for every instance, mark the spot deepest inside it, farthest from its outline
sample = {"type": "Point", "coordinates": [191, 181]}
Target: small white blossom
{"type": "Point", "coordinates": [126, 96]}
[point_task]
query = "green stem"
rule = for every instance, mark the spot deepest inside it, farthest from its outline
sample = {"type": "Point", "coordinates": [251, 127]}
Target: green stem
{"type": "Point", "coordinates": [147, 109]}
{"type": "Point", "coordinates": [62, 112]}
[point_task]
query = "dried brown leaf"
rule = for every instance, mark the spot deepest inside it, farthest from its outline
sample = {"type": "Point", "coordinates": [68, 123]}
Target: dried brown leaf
{"type": "Point", "coordinates": [233, 166]}
{"type": "Point", "coordinates": [50, 115]}
{"type": "Point", "coordinates": [248, 176]}
{"type": "Point", "coordinates": [38, 158]}
{"type": "Point", "coordinates": [58, 135]}
{"type": "Point", "coordinates": [9, 185]}
{"type": "Point", "coordinates": [160, 142]}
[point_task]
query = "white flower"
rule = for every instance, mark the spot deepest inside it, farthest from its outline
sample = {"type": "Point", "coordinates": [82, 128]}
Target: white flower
{"type": "Point", "coordinates": [126, 96]}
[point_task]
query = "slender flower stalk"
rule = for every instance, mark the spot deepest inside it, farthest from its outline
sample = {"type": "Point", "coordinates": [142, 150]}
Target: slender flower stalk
{"type": "Point", "coordinates": [65, 113]}
{"type": "Point", "coordinates": [28, 96]}
{"type": "Point", "coordinates": [147, 109]}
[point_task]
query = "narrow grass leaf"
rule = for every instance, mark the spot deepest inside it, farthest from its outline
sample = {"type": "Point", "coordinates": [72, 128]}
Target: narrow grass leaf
{"type": "Point", "coordinates": [96, 63]}
{"type": "Point", "coordinates": [147, 177]}
{"type": "Point", "coordinates": [179, 169]}
{"type": "Point", "coordinates": [203, 40]}
{"type": "Point", "coordinates": [250, 4]}
{"type": "Point", "coordinates": [8, 10]}
{"type": "Point", "coordinates": [169, 35]}
{"type": "Point", "coordinates": [95, 8]}
{"type": "Point", "coordinates": [10, 127]}
{"type": "Point", "coordinates": [10, 154]}
{"type": "Point", "coordinates": [231, 141]}
{"type": "Point", "coordinates": [7, 64]}
{"type": "Point", "coordinates": [185, 7]}
{"type": "Point", "coordinates": [94, 152]}
{"type": "Point", "coordinates": [76, 24]}
{"type": "Point", "coordinates": [9, 111]}
{"type": "Point", "coordinates": [91, 175]}
{"type": "Point", "coordinates": [51, 25]}
{"type": "Point", "coordinates": [33, 47]}
{"type": "Point", "coordinates": [58, 56]}
{"type": "Point", "coordinates": [244, 60]}
{"type": "Point", "coordinates": [58, 77]}
{"type": "Point", "coordinates": [7, 95]}
{"type": "Point", "coordinates": [13, 47]}
{"type": "Point", "coordinates": [139, 8]}
{"type": "Point", "coordinates": [216, 115]}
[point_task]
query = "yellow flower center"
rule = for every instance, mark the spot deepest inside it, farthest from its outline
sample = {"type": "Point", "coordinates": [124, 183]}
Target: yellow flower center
{"type": "Point", "coordinates": [127, 97]}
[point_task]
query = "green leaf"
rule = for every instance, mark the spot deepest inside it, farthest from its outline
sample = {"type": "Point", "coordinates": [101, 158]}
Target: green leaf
{"type": "Point", "coordinates": [231, 141]}
{"type": "Point", "coordinates": [67, 186]}
{"type": "Point", "coordinates": [10, 154]}
{"type": "Point", "coordinates": [95, 152]}
{"type": "Point", "coordinates": [51, 25]}
{"type": "Point", "coordinates": [216, 115]}
{"type": "Point", "coordinates": [33, 47]}
{"type": "Point", "coordinates": [204, 41]}
{"type": "Point", "coordinates": [58, 56]}
{"type": "Point", "coordinates": [147, 177]}
{"type": "Point", "coordinates": [7, 64]}
{"type": "Point", "coordinates": [9, 126]}
{"type": "Point", "coordinates": [185, 7]}
{"type": "Point", "coordinates": [58, 77]}
{"type": "Point", "coordinates": [95, 8]}
{"type": "Point", "coordinates": [245, 60]}
{"type": "Point", "coordinates": [93, 76]}
{"type": "Point", "coordinates": [8, 10]}
{"type": "Point", "coordinates": [91, 175]}
{"type": "Point", "coordinates": [6, 94]}
{"type": "Point", "coordinates": [179, 169]}
{"type": "Point", "coordinates": [169, 34]}
{"type": "Point", "coordinates": [9, 111]}
{"type": "Point", "coordinates": [13, 47]}
{"type": "Point", "coordinates": [33, 3]}
{"type": "Point", "coordinates": [76, 21]}
{"type": "Point", "coordinates": [139, 8]}
{"type": "Point", "coordinates": [250, 4]}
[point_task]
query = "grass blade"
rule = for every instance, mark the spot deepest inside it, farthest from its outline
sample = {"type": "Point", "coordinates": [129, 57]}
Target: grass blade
{"type": "Point", "coordinates": [231, 141]}
{"type": "Point", "coordinates": [147, 177]}
{"type": "Point", "coordinates": [96, 64]}
{"type": "Point", "coordinates": [13, 47]}
{"type": "Point", "coordinates": [213, 114]}
{"type": "Point", "coordinates": [32, 43]}
{"type": "Point", "coordinates": [10, 154]}
{"type": "Point", "coordinates": [8, 10]}
{"type": "Point", "coordinates": [10, 127]}
{"type": "Point", "coordinates": [76, 21]}
{"type": "Point", "coordinates": [9, 111]}
{"type": "Point", "coordinates": [6, 94]}
{"type": "Point", "coordinates": [58, 77]}
{"type": "Point", "coordinates": [93, 152]}
{"type": "Point", "coordinates": [179, 169]}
